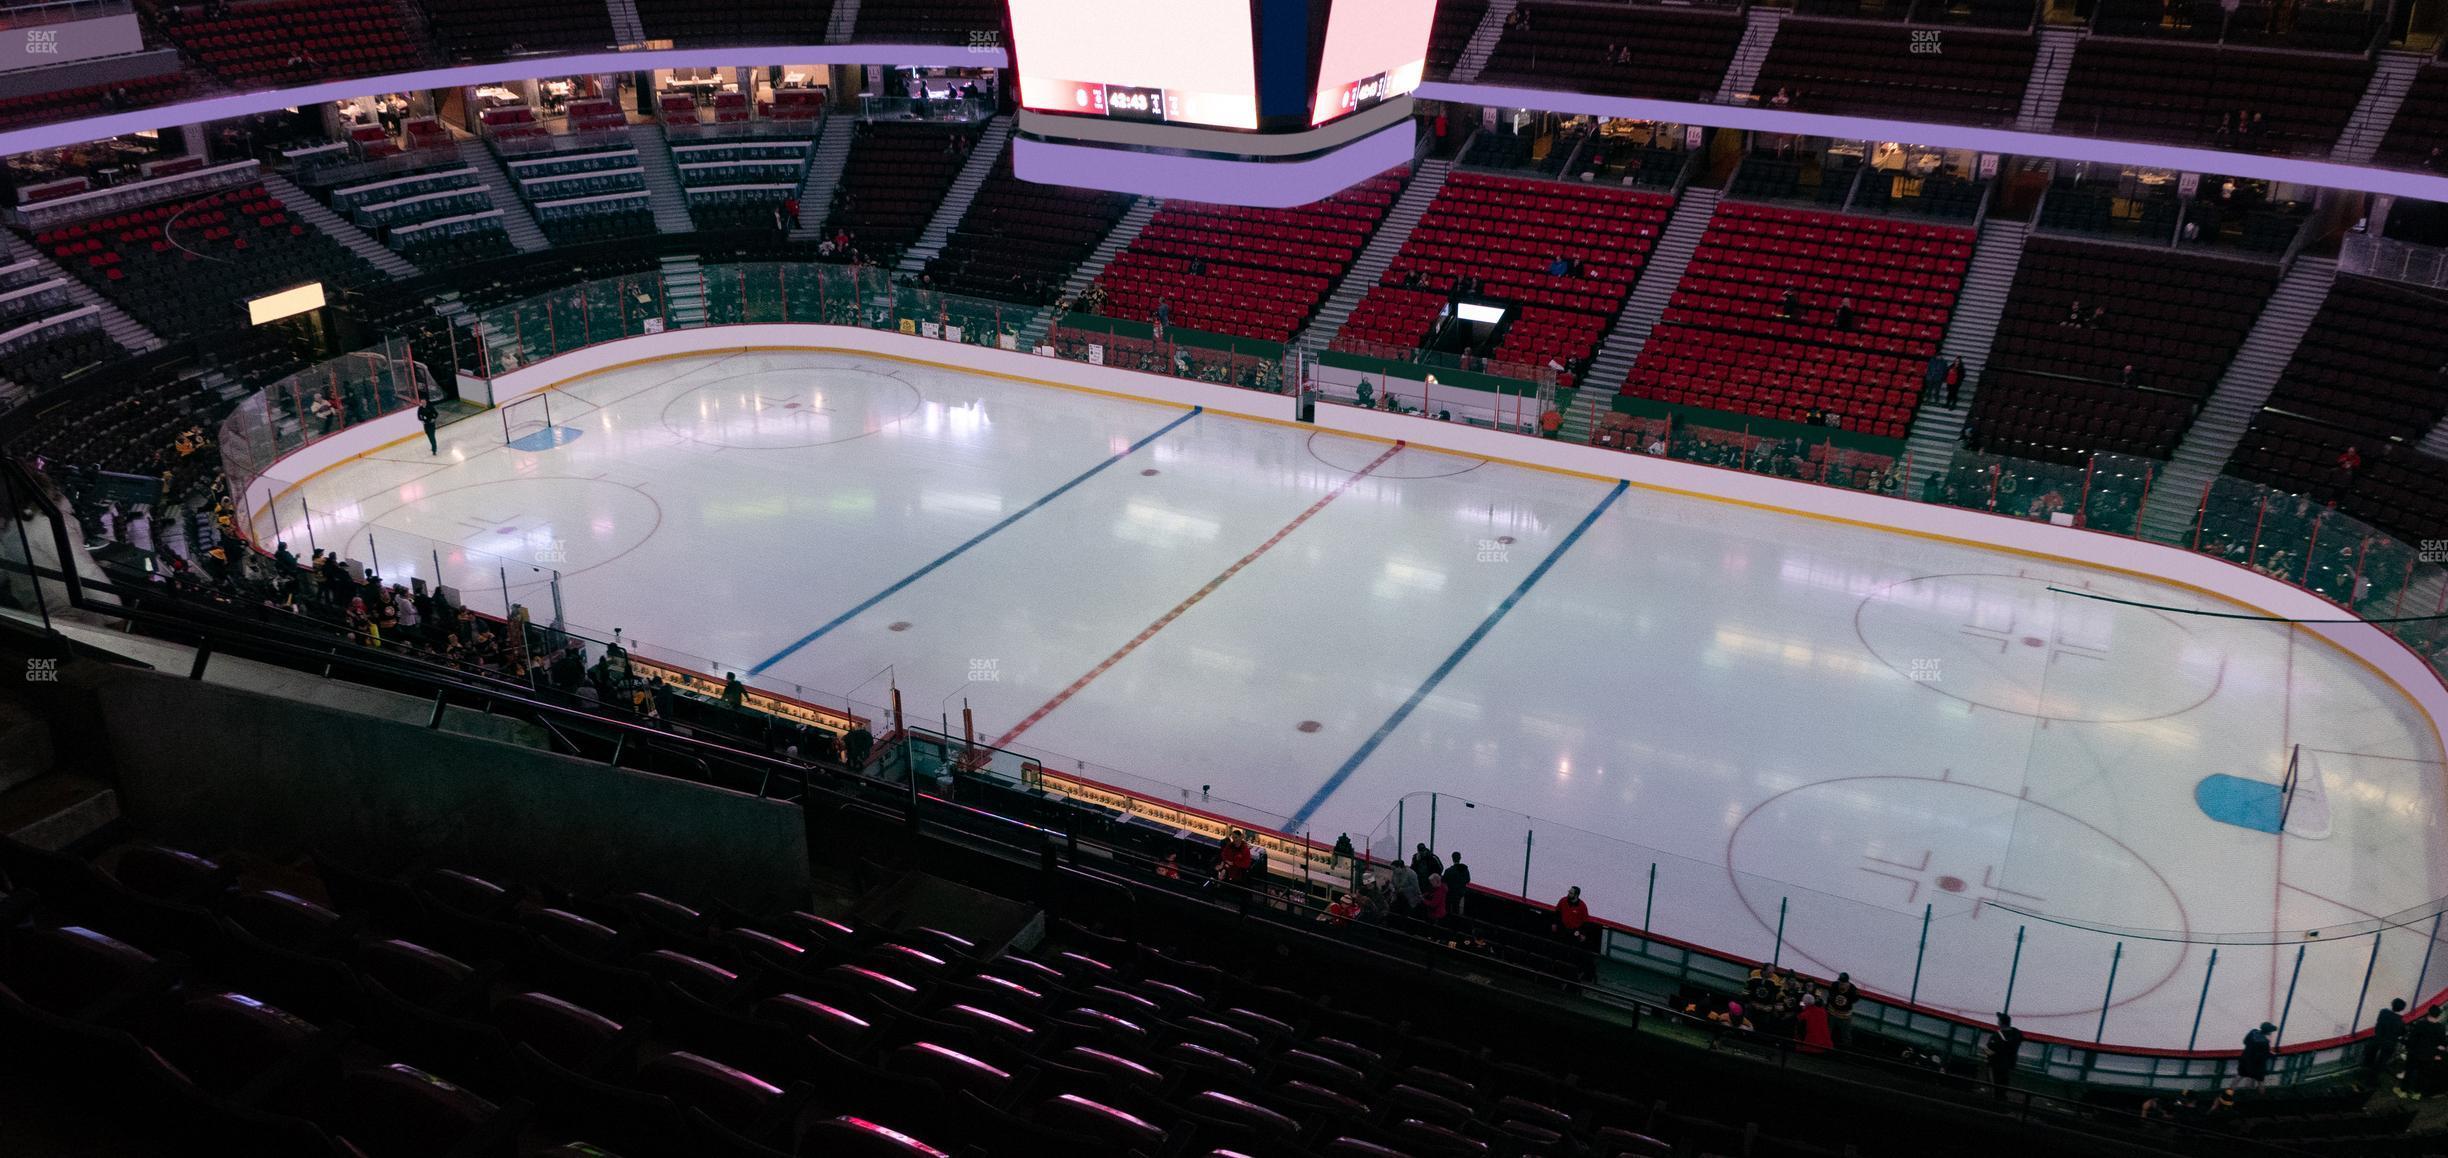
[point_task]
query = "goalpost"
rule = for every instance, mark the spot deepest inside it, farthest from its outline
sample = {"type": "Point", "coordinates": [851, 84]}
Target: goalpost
{"type": "Point", "coordinates": [526, 416]}
{"type": "Point", "coordinates": [2287, 786]}
{"type": "Point", "coordinates": [2303, 797]}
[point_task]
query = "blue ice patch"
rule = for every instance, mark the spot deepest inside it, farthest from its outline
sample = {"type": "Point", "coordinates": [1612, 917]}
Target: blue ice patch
{"type": "Point", "coordinates": [2252, 804]}
{"type": "Point", "coordinates": [547, 438]}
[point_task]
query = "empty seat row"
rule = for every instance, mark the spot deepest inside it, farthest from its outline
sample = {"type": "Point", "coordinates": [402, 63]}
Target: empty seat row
{"type": "Point", "coordinates": [1787, 313]}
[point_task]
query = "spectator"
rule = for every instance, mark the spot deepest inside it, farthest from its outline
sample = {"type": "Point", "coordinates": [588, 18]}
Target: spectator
{"type": "Point", "coordinates": [857, 744]}
{"type": "Point", "coordinates": [2125, 376]}
{"type": "Point", "coordinates": [1844, 314]}
{"type": "Point", "coordinates": [1374, 904]}
{"type": "Point", "coordinates": [2253, 1067]}
{"type": "Point", "coordinates": [2388, 1031]}
{"type": "Point", "coordinates": [1789, 303]}
{"type": "Point", "coordinates": [1999, 1050]}
{"type": "Point", "coordinates": [1933, 378]}
{"type": "Point", "coordinates": [734, 694]}
{"type": "Point", "coordinates": [1425, 862]}
{"type": "Point", "coordinates": [1406, 885]}
{"type": "Point", "coordinates": [2074, 314]}
{"type": "Point", "coordinates": [1815, 1034]}
{"type": "Point", "coordinates": [1457, 887]}
{"type": "Point", "coordinates": [1432, 897]}
{"type": "Point", "coordinates": [1233, 858]}
{"type": "Point", "coordinates": [1342, 912]}
{"type": "Point", "coordinates": [2098, 319]}
{"type": "Point", "coordinates": [1842, 997]}
{"type": "Point", "coordinates": [2423, 1042]}
{"type": "Point", "coordinates": [1572, 917]}
{"type": "Point", "coordinates": [1954, 381]}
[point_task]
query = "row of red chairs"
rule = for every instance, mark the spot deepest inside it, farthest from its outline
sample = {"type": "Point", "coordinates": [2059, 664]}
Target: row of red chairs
{"type": "Point", "coordinates": [1726, 314]}
{"type": "Point", "coordinates": [1505, 232]}
{"type": "Point", "coordinates": [1244, 247]}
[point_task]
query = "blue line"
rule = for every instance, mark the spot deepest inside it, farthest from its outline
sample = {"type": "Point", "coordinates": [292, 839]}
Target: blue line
{"type": "Point", "coordinates": [974, 540]}
{"type": "Point", "coordinates": [1300, 819]}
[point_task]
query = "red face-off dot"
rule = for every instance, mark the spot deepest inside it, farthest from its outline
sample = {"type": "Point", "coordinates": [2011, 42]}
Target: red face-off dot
{"type": "Point", "coordinates": [2034, 641]}
{"type": "Point", "coordinates": [903, 625]}
{"type": "Point", "coordinates": [1951, 884]}
{"type": "Point", "coordinates": [1151, 471]}
{"type": "Point", "coordinates": [1310, 725]}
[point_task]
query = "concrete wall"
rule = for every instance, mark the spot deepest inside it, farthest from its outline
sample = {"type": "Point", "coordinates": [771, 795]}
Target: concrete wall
{"type": "Point", "coordinates": [214, 767]}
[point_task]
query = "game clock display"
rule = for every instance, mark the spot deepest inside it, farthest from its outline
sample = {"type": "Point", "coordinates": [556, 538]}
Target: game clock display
{"type": "Point", "coordinates": [1120, 101]}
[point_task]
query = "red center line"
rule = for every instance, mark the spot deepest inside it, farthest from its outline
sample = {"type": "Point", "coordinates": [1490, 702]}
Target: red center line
{"type": "Point", "coordinates": [1162, 622]}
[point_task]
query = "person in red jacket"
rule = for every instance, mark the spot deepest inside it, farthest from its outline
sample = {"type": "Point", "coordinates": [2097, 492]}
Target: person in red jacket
{"type": "Point", "coordinates": [1817, 1037]}
{"type": "Point", "coordinates": [1572, 916]}
{"type": "Point", "coordinates": [1233, 860]}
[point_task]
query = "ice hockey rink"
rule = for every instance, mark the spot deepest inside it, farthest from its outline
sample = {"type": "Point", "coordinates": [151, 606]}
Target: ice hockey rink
{"type": "Point", "coordinates": [1906, 754]}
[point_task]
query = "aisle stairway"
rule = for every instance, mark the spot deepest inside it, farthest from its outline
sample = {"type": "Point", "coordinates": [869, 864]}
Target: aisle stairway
{"type": "Point", "coordinates": [957, 199]}
{"type": "Point", "coordinates": [2046, 89]}
{"type": "Point", "coordinates": [626, 27]}
{"type": "Point", "coordinates": [336, 227]}
{"type": "Point", "coordinates": [2435, 443]}
{"type": "Point", "coordinates": [116, 322]}
{"type": "Point", "coordinates": [1970, 332]}
{"type": "Point", "coordinates": [1759, 32]}
{"type": "Point", "coordinates": [1647, 303]}
{"type": "Point", "coordinates": [1371, 264]}
{"type": "Point", "coordinates": [1482, 43]}
{"type": "Point", "coordinates": [2241, 392]}
{"type": "Point", "coordinates": [521, 224]}
{"type": "Point", "coordinates": [1124, 232]}
{"type": "Point", "coordinates": [684, 292]}
{"type": "Point", "coordinates": [823, 175]}
{"type": "Point", "coordinates": [2378, 109]}
{"type": "Point", "coordinates": [663, 191]}
{"type": "Point", "coordinates": [843, 23]}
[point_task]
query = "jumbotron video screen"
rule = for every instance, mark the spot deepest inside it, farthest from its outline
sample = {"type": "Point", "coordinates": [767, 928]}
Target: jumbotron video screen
{"type": "Point", "coordinates": [1215, 64]}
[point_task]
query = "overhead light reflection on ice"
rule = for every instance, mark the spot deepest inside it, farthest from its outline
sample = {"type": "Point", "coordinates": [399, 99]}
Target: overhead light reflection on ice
{"type": "Point", "coordinates": [1147, 523]}
{"type": "Point", "coordinates": [1399, 576]}
{"type": "Point", "coordinates": [940, 502]}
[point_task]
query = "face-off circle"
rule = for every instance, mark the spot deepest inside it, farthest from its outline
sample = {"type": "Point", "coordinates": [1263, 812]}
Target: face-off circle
{"type": "Point", "coordinates": [528, 527]}
{"type": "Point", "coordinates": [1851, 899]}
{"type": "Point", "coordinates": [2008, 643]}
{"type": "Point", "coordinates": [1350, 454]}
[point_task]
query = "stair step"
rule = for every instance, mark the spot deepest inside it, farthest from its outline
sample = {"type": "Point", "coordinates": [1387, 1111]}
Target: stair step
{"type": "Point", "coordinates": [2251, 376]}
{"type": "Point", "coordinates": [338, 228]}
{"type": "Point", "coordinates": [517, 220]}
{"type": "Point", "coordinates": [1393, 231]}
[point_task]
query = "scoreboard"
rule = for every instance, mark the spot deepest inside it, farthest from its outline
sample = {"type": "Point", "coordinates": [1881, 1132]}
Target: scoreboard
{"type": "Point", "coordinates": [1245, 65]}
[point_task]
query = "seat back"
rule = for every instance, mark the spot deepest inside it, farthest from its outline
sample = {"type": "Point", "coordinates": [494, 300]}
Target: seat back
{"type": "Point", "coordinates": [562, 1031]}
{"type": "Point", "coordinates": [401, 1110]}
